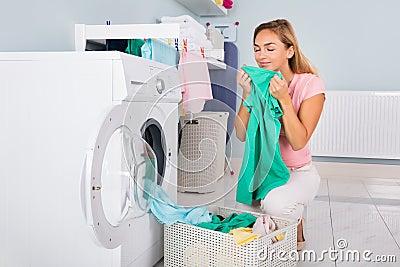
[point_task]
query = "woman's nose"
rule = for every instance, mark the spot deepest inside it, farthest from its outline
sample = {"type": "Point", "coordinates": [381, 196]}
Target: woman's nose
{"type": "Point", "coordinates": [263, 53]}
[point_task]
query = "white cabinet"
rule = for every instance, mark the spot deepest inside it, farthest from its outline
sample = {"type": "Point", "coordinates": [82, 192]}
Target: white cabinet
{"type": "Point", "coordinates": [204, 8]}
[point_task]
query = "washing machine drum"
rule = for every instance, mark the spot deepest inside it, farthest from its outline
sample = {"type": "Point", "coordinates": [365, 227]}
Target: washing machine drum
{"type": "Point", "coordinates": [118, 179]}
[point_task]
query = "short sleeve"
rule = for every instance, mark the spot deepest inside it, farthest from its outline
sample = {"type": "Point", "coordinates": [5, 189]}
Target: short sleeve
{"type": "Point", "coordinates": [313, 87]}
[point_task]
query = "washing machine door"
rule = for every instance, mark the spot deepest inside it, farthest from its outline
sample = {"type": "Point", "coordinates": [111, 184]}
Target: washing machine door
{"type": "Point", "coordinates": [118, 179]}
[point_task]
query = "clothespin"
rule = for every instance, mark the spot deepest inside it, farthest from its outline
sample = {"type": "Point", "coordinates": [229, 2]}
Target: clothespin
{"type": "Point", "coordinates": [202, 52]}
{"type": "Point", "coordinates": [176, 44]}
{"type": "Point", "coordinates": [185, 44]}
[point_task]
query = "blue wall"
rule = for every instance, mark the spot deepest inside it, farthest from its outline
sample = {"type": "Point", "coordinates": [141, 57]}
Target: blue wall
{"type": "Point", "coordinates": [353, 43]}
{"type": "Point", "coordinates": [48, 25]}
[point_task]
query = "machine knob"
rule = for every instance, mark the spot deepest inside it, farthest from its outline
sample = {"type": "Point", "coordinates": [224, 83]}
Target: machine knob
{"type": "Point", "coordinates": [160, 85]}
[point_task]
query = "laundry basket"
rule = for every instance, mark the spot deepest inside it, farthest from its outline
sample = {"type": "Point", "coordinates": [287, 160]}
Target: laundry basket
{"type": "Point", "coordinates": [191, 246]}
{"type": "Point", "coordinates": [201, 158]}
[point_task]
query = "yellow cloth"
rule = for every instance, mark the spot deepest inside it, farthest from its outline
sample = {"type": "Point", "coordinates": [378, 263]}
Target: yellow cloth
{"type": "Point", "coordinates": [280, 237]}
{"type": "Point", "coordinates": [181, 110]}
{"type": "Point", "coordinates": [243, 235]}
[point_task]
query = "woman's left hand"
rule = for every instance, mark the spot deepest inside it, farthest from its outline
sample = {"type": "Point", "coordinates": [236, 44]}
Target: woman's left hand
{"type": "Point", "coordinates": [278, 88]}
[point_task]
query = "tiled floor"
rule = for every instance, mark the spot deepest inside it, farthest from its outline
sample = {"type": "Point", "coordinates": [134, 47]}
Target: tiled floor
{"type": "Point", "coordinates": [357, 205]}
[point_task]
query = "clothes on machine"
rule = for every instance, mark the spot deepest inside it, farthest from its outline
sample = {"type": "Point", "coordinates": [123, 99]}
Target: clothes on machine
{"type": "Point", "coordinates": [262, 168]}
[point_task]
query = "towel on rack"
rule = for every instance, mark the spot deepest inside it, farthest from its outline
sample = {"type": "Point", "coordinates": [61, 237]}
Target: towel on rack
{"type": "Point", "coordinates": [185, 21]}
{"type": "Point", "coordinates": [195, 80]}
{"type": "Point", "coordinates": [159, 51]}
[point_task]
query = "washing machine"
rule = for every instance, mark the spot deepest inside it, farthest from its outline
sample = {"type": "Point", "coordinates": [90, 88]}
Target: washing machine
{"type": "Point", "coordinates": [134, 150]}
{"type": "Point", "coordinates": [85, 138]}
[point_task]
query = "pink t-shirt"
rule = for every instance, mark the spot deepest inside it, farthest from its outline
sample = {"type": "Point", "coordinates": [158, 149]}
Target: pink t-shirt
{"type": "Point", "coordinates": [302, 87]}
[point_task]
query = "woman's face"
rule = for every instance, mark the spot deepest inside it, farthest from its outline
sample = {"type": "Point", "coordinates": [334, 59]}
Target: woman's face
{"type": "Point", "coordinates": [269, 52]}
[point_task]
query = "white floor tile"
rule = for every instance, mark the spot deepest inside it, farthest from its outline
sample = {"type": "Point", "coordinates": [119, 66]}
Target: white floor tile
{"type": "Point", "coordinates": [363, 229]}
{"type": "Point", "coordinates": [347, 188]}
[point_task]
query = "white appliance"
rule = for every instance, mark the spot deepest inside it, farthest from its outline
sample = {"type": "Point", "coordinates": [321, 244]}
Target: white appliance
{"type": "Point", "coordinates": [72, 125]}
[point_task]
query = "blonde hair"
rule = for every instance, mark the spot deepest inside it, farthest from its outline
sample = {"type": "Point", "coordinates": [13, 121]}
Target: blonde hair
{"type": "Point", "coordinates": [298, 63]}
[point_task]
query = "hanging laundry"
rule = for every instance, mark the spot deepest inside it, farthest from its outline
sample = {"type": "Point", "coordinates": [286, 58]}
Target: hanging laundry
{"type": "Point", "coordinates": [167, 212]}
{"type": "Point", "coordinates": [195, 80]}
{"type": "Point", "coordinates": [224, 87]}
{"type": "Point", "coordinates": [116, 45]}
{"type": "Point", "coordinates": [159, 51]}
{"type": "Point", "coordinates": [262, 168]}
{"type": "Point", "coordinates": [135, 47]}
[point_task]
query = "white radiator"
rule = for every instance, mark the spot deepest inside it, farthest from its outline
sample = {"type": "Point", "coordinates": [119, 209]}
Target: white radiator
{"type": "Point", "coordinates": [360, 124]}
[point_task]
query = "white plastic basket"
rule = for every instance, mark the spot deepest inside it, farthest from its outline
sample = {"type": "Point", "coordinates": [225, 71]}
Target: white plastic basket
{"type": "Point", "coordinates": [201, 158]}
{"type": "Point", "coordinates": [190, 246]}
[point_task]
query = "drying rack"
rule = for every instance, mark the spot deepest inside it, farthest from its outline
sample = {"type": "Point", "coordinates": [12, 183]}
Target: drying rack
{"type": "Point", "coordinates": [99, 33]}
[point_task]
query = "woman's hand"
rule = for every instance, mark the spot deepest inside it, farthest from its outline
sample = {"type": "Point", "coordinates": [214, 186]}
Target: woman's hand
{"type": "Point", "coordinates": [244, 81]}
{"type": "Point", "coordinates": [279, 88]}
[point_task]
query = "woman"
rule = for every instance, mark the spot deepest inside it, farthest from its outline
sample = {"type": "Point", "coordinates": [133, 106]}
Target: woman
{"type": "Point", "coordinates": [300, 95]}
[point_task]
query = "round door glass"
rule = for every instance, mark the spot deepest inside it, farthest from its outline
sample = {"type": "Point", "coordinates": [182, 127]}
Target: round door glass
{"type": "Point", "coordinates": [129, 176]}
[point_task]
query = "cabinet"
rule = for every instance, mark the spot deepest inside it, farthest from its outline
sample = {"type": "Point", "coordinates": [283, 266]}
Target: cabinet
{"type": "Point", "coordinates": [204, 8]}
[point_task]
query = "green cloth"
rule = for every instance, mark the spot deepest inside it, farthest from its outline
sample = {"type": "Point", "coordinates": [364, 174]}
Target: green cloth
{"type": "Point", "coordinates": [262, 168]}
{"type": "Point", "coordinates": [233, 221]}
{"type": "Point", "coordinates": [134, 47]}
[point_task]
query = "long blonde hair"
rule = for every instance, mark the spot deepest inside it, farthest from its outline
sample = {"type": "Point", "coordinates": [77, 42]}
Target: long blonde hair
{"type": "Point", "coordinates": [298, 63]}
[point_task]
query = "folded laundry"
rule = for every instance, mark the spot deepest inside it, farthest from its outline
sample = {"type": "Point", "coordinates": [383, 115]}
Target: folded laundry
{"type": "Point", "coordinates": [190, 32]}
{"type": "Point", "coordinates": [185, 21]}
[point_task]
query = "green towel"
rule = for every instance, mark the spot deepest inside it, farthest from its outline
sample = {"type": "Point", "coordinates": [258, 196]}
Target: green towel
{"type": "Point", "coordinates": [233, 221]}
{"type": "Point", "coordinates": [262, 168]}
{"type": "Point", "coordinates": [134, 47]}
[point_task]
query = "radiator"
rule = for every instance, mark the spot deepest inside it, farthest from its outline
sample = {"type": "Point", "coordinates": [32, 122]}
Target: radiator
{"type": "Point", "coordinates": [359, 124]}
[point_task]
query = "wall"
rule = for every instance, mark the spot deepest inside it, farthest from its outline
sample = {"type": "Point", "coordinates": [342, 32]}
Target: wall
{"type": "Point", "coordinates": [351, 42]}
{"type": "Point", "coordinates": [48, 25]}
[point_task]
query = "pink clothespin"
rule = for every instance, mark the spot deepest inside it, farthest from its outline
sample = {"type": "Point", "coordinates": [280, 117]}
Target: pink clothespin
{"type": "Point", "coordinates": [185, 44]}
{"type": "Point", "coordinates": [202, 52]}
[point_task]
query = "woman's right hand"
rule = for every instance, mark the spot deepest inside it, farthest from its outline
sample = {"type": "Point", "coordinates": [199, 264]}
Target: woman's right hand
{"type": "Point", "coordinates": [244, 81]}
